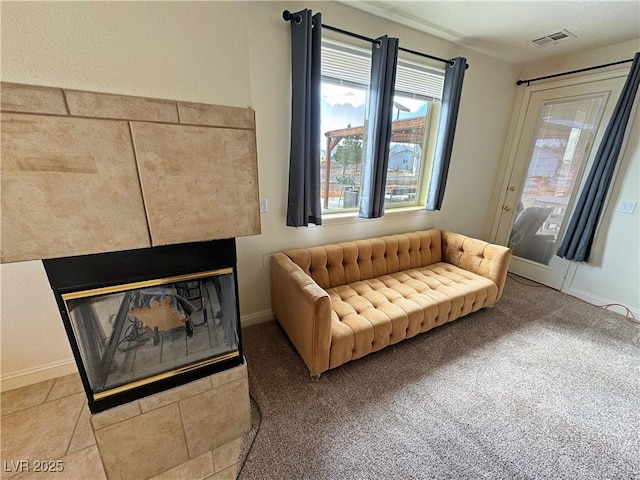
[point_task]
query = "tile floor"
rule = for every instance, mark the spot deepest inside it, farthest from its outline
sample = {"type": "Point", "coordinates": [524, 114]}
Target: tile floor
{"type": "Point", "coordinates": [46, 426]}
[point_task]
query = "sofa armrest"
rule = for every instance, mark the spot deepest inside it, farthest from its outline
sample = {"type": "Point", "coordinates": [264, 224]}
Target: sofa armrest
{"type": "Point", "coordinates": [482, 258]}
{"type": "Point", "coordinates": [304, 310]}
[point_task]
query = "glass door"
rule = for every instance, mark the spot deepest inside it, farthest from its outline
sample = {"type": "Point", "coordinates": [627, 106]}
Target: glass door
{"type": "Point", "coordinates": [560, 129]}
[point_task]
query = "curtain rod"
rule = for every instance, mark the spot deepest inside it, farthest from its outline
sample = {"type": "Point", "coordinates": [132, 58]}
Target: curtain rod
{"type": "Point", "coordinates": [288, 16]}
{"type": "Point", "coordinates": [520, 82]}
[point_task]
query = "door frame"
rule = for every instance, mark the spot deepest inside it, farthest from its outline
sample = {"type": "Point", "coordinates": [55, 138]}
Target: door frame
{"type": "Point", "coordinates": [515, 139]}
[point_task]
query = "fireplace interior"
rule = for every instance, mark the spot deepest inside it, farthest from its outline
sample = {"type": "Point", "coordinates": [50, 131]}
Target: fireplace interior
{"type": "Point", "coordinates": [145, 320]}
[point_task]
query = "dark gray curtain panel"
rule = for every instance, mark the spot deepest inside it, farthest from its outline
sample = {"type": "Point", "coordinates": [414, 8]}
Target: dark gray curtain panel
{"type": "Point", "coordinates": [578, 239]}
{"type": "Point", "coordinates": [303, 205]}
{"type": "Point", "coordinates": [378, 118]}
{"type": "Point", "coordinates": [451, 93]}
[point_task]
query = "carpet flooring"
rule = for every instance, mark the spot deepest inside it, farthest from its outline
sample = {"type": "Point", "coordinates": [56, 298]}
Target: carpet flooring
{"type": "Point", "coordinates": [539, 386]}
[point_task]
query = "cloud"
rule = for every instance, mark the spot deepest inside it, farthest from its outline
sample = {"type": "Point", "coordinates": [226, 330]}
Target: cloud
{"type": "Point", "coordinates": [334, 95]}
{"type": "Point", "coordinates": [413, 105]}
{"type": "Point", "coordinates": [338, 95]}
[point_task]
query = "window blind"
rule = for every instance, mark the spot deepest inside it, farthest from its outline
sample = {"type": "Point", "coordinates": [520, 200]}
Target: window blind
{"type": "Point", "coordinates": [351, 67]}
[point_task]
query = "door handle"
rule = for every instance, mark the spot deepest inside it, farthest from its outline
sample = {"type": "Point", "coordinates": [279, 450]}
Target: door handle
{"type": "Point", "coordinates": [506, 208]}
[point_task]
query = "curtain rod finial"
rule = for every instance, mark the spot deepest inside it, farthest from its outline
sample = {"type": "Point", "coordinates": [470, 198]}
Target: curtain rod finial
{"type": "Point", "coordinates": [287, 15]}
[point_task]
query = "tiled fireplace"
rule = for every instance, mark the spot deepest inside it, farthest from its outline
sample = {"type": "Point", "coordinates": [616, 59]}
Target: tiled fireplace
{"type": "Point", "coordinates": [133, 205]}
{"type": "Point", "coordinates": [194, 427]}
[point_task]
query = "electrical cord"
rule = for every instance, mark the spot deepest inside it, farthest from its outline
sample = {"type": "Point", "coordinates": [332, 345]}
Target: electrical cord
{"type": "Point", "coordinates": [628, 316]}
{"type": "Point", "coordinates": [244, 461]}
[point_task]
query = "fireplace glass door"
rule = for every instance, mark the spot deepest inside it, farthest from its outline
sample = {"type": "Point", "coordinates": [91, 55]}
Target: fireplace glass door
{"type": "Point", "coordinates": [137, 333]}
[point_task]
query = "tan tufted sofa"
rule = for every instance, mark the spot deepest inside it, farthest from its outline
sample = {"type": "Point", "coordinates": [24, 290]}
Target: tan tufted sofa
{"type": "Point", "coordinates": [341, 302]}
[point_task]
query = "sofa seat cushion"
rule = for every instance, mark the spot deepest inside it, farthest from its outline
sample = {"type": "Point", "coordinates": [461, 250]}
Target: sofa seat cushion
{"type": "Point", "coordinates": [370, 314]}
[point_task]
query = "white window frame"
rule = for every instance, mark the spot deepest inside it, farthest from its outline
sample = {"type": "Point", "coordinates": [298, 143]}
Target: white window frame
{"type": "Point", "coordinates": [350, 66]}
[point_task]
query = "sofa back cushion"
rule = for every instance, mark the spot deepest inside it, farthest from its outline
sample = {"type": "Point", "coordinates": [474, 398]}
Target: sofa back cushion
{"type": "Point", "coordinates": [344, 263]}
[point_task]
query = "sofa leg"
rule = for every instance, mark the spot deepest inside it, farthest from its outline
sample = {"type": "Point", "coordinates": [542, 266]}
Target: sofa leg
{"type": "Point", "coordinates": [315, 378]}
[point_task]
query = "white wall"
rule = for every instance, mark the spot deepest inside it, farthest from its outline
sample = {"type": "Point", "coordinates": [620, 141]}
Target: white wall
{"type": "Point", "coordinates": [34, 344]}
{"type": "Point", "coordinates": [488, 95]}
{"type": "Point", "coordinates": [192, 51]}
{"type": "Point", "coordinates": [233, 53]}
{"type": "Point", "coordinates": [613, 274]}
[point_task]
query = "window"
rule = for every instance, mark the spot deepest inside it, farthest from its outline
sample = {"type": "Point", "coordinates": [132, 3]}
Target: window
{"type": "Point", "coordinates": [345, 79]}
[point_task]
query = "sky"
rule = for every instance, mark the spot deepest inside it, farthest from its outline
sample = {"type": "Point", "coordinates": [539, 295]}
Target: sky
{"type": "Point", "coordinates": [343, 106]}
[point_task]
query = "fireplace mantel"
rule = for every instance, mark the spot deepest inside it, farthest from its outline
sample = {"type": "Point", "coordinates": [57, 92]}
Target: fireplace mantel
{"type": "Point", "coordinates": [86, 172]}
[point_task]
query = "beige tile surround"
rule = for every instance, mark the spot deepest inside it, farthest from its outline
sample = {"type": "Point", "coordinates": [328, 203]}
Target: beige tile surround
{"type": "Point", "coordinates": [87, 172]}
{"type": "Point", "coordinates": [190, 432]}
{"type": "Point", "coordinates": [48, 421]}
{"type": "Point", "coordinates": [69, 186]}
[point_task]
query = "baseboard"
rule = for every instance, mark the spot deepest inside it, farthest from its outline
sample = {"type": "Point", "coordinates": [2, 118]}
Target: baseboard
{"type": "Point", "coordinates": [595, 300]}
{"type": "Point", "coordinates": [41, 373]}
{"type": "Point", "coordinates": [257, 317]}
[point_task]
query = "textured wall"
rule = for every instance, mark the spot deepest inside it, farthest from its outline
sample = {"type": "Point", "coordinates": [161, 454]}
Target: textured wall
{"type": "Point", "coordinates": [192, 51]}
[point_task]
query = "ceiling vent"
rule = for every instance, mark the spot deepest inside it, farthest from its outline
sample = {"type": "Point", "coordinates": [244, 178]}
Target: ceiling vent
{"type": "Point", "coordinates": [553, 38]}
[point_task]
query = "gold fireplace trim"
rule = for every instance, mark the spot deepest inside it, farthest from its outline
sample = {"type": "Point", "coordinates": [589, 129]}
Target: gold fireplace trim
{"type": "Point", "coordinates": [144, 284]}
{"type": "Point", "coordinates": [161, 376]}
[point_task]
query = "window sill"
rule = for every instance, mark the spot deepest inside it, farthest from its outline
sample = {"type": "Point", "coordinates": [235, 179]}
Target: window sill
{"type": "Point", "coordinates": [352, 217]}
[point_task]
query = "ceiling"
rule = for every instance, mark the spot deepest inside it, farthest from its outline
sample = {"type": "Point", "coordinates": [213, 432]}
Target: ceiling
{"type": "Point", "coordinates": [505, 29]}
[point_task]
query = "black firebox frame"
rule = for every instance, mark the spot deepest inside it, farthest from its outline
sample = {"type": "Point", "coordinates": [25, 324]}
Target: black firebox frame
{"type": "Point", "coordinates": [85, 272]}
